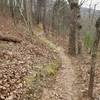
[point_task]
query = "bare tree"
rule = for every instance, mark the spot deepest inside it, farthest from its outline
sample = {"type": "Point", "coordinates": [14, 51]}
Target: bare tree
{"type": "Point", "coordinates": [29, 14]}
{"type": "Point", "coordinates": [38, 11]}
{"type": "Point", "coordinates": [93, 58]}
{"type": "Point", "coordinates": [44, 15]}
{"type": "Point", "coordinates": [74, 26]}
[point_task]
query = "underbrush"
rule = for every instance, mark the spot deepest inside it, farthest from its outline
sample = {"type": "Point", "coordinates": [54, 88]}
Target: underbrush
{"type": "Point", "coordinates": [88, 41]}
{"type": "Point", "coordinates": [59, 40]}
{"type": "Point", "coordinates": [42, 76]}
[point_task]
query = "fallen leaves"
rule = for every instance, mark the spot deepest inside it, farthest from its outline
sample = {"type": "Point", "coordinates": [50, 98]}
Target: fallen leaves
{"type": "Point", "coordinates": [19, 60]}
{"type": "Point", "coordinates": [16, 62]}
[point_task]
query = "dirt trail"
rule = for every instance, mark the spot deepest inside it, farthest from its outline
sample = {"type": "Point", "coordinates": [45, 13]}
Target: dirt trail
{"type": "Point", "coordinates": [63, 89]}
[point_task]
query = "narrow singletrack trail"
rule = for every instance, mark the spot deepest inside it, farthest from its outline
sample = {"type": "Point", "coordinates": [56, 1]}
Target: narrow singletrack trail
{"type": "Point", "coordinates": [63, 89]}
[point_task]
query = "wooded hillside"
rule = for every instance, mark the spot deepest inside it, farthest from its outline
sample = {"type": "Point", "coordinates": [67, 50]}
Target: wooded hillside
{"type": "Point", "coordinates": [49, 50]}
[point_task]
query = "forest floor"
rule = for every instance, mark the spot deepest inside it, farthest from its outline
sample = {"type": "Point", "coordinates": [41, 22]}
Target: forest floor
{"type": "Point", "coordinates": [64, 88]}
{"type": "Point", "coordinates": [26, 67]}
{"type": "Point", "coordinates": [81, 70]}
{"type": "Point", "coordinates": [20, 55]}
{"type": "Point", "coordinates": [40, 69]}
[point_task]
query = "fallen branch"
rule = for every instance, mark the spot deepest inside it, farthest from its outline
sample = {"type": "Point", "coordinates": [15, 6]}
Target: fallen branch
{"type": "Point", "coordinates": [9, 38]}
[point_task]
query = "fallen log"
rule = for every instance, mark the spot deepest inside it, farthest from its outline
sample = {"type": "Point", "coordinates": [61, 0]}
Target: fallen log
{"type": "Point", "coordinates": [9, 38]}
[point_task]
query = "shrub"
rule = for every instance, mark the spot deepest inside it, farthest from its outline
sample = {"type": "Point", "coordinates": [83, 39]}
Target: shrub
{"type": "Point", "coordinates": [88, 40]}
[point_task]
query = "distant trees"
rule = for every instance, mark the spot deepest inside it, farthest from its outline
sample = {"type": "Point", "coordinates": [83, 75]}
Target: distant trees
{"type": "Point", "coordinates": [49, 13]}
{"type": "Point", "coordinates": [60, 13]}
{"type": "Point", "coordinates": [38, 11]}
{"type": "Point", "coordinates": [44, 15]}
{"type": "Point", "coordinates": [28, 8]}
{"type": "Point", "coordinates": [18, 10]}
{"type": "Point", "coordinates": [11, 7]}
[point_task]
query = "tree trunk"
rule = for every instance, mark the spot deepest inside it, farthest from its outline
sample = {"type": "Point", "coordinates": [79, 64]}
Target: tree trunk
{"type": "Point", "coordinates": [11, 8]}
{"type": "Point", "coordinates": [74, 34]}
{"type": "Point", "coordinates": [79, 44]}
{"type": "Point", "coordinates": [93, 58]}
{"type": "Point", "coordinates": [38, 12]}
{"type": "Point", "coordinates": [73, 27]}
{"type": "Point", "coordinates": [44, 16]}
{"type": "Point", "coordinates": [29, 14]}
{"type": "Point", "coordinates": [78, 39]}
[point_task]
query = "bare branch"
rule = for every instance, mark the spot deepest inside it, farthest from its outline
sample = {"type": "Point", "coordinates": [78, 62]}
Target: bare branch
{"type": "Point", "coordinates": [94, 10]}
{"type": "Point", "coordinates": [82, 2]}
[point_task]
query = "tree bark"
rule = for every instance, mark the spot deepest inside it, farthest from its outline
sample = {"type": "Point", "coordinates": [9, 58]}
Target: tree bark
{"type": "Point", "coordinates": [78, 39]}
{"type": "Point", "coordinates": [29, 14]}
{"type": "Point", "coordinates": [38, 11]}
{"type": "Point", "coordinates": [93, 58]}
{"type": "Point", "coordinates": [74, 34]}
{"type": "Point", "coordinates": [44, 16]}
{"type": "Point", "coordinates": [73, 28]}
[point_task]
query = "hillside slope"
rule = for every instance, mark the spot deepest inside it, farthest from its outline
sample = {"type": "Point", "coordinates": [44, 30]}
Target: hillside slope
{"type": "Point", "coordinates": [26, 67]}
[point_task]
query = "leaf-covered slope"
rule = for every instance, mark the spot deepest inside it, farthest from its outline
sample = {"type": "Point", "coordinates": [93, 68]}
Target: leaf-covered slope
{"type": "Point", "coordinates": [19, 60]}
